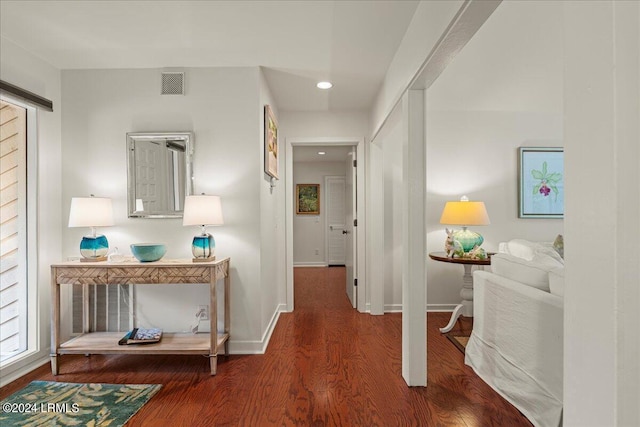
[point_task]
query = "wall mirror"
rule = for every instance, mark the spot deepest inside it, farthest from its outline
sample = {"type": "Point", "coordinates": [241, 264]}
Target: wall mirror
{"type": "Point", "coordinates": [159, 173]}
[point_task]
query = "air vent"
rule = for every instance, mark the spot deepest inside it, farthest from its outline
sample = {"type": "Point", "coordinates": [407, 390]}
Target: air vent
{"type": "Point", "coordinates": [172, 83]}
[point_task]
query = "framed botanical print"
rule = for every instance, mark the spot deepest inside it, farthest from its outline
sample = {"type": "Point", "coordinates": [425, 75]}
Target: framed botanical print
{"type": "Point", "coordinates": [308, 199]}
{"type": "Point", "coordinates": [270, 143]}
{"type": "Point", "coordinates": [541, 176]}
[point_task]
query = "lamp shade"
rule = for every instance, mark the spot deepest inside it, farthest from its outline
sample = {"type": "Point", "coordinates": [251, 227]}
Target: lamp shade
{"type": "Point", "coordinates": [202, 210]}
{"type": "Point", "coordinates": [90, 212]}
{"type": "Point", "coordinates": [465, 213]}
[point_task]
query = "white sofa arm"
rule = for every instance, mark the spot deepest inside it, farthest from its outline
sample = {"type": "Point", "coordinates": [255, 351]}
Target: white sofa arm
{"type": "Point", "coordinates": [517, 345]}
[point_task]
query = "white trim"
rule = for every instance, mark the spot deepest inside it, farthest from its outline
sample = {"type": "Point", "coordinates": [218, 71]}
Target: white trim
{"type": "Point", "coordinates": [375, 213]}
{"type": "Point", "coordinates": [257, 347]}
{"type": "Point", "coordinates": [361, 233]}
{"type": "Point", "coordinates": [441, 308]}
{"type": "Point", "coordinates": [7, 378]}
{"type": "Point", "coordinates": [310, 264]}
{"type": "Point", "coordinates": [431, 308]}
{"type": "Point", "coordinates": [361, 238]}
{"type": "Point", "coordinates": [29, 314]}
{"type": "Point", "coordinates": [33, 192]}
{"type": "Point", "coordinates": [393, 308]}
{"type": "Point", "coordinates": [414, 278]}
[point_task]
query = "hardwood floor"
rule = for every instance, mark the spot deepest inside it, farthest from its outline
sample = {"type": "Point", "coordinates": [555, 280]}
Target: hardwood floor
{"type": "Point", "coordinates": [326, 365]}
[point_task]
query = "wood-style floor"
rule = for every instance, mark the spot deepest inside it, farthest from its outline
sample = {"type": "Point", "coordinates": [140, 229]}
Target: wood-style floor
{"type": "Point", "coordinates": [326, 365]}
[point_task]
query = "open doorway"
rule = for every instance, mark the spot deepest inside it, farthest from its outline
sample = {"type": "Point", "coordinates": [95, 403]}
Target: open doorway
{"type": "Point", "coordinates": [325, 232]}
{"type": "Point", "coordinates": [323, 178]}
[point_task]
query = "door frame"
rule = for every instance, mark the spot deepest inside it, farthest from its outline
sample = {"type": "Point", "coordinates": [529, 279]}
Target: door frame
{"type": "Point", "coordinates": [358, 142]}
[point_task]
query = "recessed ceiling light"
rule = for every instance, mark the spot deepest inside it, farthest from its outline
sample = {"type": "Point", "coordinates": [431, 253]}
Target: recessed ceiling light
{"type": "Point", "coordinates": [322, 153]}
{"type": "Point", "coordinates": [324, 85]}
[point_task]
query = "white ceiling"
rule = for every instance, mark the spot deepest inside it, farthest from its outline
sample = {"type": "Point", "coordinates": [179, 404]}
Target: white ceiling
{"type": "Point", "coordinates": [350, 43]}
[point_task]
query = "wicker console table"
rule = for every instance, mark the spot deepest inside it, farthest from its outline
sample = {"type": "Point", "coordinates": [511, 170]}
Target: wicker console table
{"type": "Point", "coordinates": [159, 272]}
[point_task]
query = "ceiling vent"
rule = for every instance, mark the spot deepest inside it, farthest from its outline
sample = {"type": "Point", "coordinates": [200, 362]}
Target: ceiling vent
{"type": "Point", "coordinates": [172, 83]}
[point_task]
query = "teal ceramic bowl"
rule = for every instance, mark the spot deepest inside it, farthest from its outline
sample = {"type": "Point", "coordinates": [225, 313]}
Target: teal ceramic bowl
{"type": "Point", "coordinates": [148, 252]}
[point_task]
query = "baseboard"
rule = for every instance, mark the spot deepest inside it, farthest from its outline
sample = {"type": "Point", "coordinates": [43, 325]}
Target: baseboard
{"type": "Point", "coordinates": [310, 264]}
{"type": "Point", "coordinates": [397, 308]}
{"type": "Point", "coordinates": [393, 308]}
{"type": "Point", "coordinates": [23, 370]}
{"type": "Point", "coordinates": [258, 347]}
{"type": "Point", "coordinates": [441, 307]}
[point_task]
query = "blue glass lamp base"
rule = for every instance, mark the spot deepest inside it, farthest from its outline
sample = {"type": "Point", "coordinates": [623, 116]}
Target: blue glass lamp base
{"type": "Point", "coordinates": [203, 248]}
{"type": "Point", "coordinates": [94, 249]}
{"type": "Point", "coordinates": [468, 239]}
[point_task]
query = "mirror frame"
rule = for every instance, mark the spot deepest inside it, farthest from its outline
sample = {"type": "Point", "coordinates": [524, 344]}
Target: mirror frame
{"type": "Point", "coordinates": [132, 138]}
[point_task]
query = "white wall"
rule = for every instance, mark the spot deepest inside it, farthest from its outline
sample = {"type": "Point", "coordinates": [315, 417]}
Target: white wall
{"type": "Point", "coordinates": [223, 107]}
{"type": "Point", "coordinates": [477, 120]}
{"type": "Point", "coordinates": [272, 224]}
{"type": "Point", "coordinates": [25, 70]}
{"type": "Point", "coordinates": [390, 140]}
{"type": "Point", "coordinates": [309, 231]}
{"type": "Point", "coordinates": [322, 124]}
{"type": "Point", "coordinates": [602, 290]}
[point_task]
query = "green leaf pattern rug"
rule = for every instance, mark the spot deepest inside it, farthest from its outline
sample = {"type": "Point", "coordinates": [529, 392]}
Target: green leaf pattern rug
{"type": "Point", "coordinates": [44, 403]}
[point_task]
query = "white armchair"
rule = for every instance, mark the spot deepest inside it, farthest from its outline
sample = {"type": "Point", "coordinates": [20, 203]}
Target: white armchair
{"type": "Point", "coordinates": [517, 341]}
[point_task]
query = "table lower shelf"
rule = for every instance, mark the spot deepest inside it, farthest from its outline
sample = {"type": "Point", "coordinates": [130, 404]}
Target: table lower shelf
{"type": "Point", "coordinates": [171, 343]}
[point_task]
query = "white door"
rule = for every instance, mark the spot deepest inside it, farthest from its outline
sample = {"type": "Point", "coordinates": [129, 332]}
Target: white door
{"type": "Point", "coordinates": [350, 229]}
{"type": "Point", "coordinates": [336, 216]}
{"type": "Point", "coordinates": [150, 186]}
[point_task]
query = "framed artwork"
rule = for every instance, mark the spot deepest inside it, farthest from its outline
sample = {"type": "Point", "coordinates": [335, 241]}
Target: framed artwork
{"type": "Point", "coordinates": [270, 143]}
{"type": "Point", "coordinates": [541, 189]}
{"type": "Point", "coordinates": [308, 199]}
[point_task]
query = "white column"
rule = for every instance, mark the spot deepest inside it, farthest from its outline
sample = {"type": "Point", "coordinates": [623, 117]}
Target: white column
{"type": "Point", "coordinates": [375, 248]}
{"type": "Point", "coordinates": [414, 316]}
{"type": "Point", "coordinates": [602, 138]}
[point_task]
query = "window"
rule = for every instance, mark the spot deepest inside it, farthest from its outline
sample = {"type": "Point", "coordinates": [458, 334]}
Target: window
{"type": "Point", "coordinates": [14, 226]}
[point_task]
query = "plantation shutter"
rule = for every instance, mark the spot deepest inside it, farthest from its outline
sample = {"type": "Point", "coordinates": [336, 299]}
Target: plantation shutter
{"type": "Point", "coordinates": [13, 225]}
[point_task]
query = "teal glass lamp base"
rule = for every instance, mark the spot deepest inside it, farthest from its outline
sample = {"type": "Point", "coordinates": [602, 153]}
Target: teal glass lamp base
{"type": "Point", "coordinates": [94, 248]}
{"type": "Point", "coordinates": [467, 239]}
{"type": "Point", "coordinates": [203, 248]}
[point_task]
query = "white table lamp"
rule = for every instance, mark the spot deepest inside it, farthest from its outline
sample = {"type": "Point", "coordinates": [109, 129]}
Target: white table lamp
{"type": "Point", "coordinates": [465, 213]}
{"type": "Point", "coordinates": [203, 210]}
{"type": "Point", "coordinates": [92, 212]}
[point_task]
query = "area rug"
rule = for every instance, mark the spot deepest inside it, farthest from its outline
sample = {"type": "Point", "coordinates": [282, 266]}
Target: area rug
{"type": "Point", "coordinates": [460, 341]}
{"type": "Point", "coordinates": [44, 403]}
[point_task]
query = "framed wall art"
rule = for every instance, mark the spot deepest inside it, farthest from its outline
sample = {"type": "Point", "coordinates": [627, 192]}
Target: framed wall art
{"type": "Point", "coordinates": [541, 186]}
{"type": "Point", "coordinates": [270, 143]}
{"type": "Point", "coordinates": [308, 199]}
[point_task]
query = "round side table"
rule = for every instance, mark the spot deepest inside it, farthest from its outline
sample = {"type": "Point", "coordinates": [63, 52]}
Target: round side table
{"type": "Point", "coordinates": [465, 308]}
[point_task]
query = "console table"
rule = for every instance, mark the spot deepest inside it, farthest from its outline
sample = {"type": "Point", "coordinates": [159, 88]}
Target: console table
{"type": "Point", "coordinates": [134, 272]}
{"type": "Point", "coordinates": [465, 308]}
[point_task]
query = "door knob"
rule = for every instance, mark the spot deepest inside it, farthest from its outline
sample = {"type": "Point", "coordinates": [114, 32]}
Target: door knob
{"type": "Point", "coordinates": [345, 232]}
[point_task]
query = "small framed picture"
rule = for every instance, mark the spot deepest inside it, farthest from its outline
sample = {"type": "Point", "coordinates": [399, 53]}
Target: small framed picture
{"type": "Point", "coordinates": [541, 186]}
{"type": "Point", "coordinates": [308, 199]}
